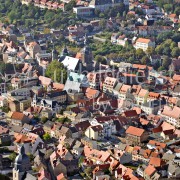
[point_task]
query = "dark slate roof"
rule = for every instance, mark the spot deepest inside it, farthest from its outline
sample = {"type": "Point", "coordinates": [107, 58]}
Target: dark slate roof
{"type": "Point", "coordinates": [55, 94]}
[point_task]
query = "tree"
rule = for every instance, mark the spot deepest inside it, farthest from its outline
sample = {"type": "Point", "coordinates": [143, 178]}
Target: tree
{"type": "Point", "coordinates": [139, 53]}
{"type": "Point", "coordinates": [56, 71]}
{"type": "Point", "coordinates": [101, 15]}
{"type": "Point", "coordinates": [46, 137]}
{"type": "Point", "coordinates": [118, 15]}
{"type": "Point", "coordinates": [145, 60]}
{"type": "Point", "coordinates": [88, 171]}
{"type": "Point", "coordinates": [97, 12]}
{"type": "Point", "coordinates": [175, 52]}
{"type": "Point", "coordinates": [173, 45]}
{"type": "Point", "coordinates": [12, 156]}
{"type": "Point", "coordinates": [168, 8]}
{"type": "Point", "coordinates": [177, 11]}
{"type": "Point", "coordinates": [102, 23]}
{"type": "Point", "coordinates": [150, 51]}
{"type": "Point", "coordinates": [100, 59]}
{"type": "Point", "coordinates": [166, 62]}
{"type": "Point", "coordinates": [5, 109]}
{"type": "Point", "coordinates": [64, 120]}
{"type": "Point", "coordinates": [159, 49]}
{"type": "Point", "coordinates": [4, 177]}
{"type": "Point", "coordinates": [166, 50]}
{"type": "Point", "coordinates": [81, 160]}
{"type": "Point", "coordinates": [44, 119]}
{"type": "Point", "coordinates": [46, 31]}
{"type": "Point", "coordinates": [70, 5]}
{"type": "Point", "coordinates": [2, 67]}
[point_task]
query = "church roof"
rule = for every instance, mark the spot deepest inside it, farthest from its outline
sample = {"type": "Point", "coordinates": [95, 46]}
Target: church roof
{"type": "Point", "coordinates": [70, 62]}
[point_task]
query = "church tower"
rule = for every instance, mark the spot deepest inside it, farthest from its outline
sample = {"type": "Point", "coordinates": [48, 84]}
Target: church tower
{"type": "Point", "coordinates": [22, 165]}
{"type": "Point", "coordinates": [87, 57]}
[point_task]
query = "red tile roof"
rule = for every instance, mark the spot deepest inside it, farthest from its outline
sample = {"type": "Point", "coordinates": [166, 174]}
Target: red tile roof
{"type": "Point", "coordinates": [135, 131]}
{"type": "Point", "coordinates": [171, 112]}
{"type": "Point", "coordinates": [18, 116]}
{"type": "Point", "coordinates": [130, 113]}
{"type": "Point", "coordinates": [156, 143]}
{"type": "Point", "coordinates": [150, 170]}
{"type": "Point", "coordinates": [143, 40]}
{"type": "Point", "coordinates": [176, 77]}
{"type": "Point", "coordinates": [156, 162]}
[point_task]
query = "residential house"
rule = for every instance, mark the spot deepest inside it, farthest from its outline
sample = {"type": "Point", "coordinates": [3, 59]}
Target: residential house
{"type": "Point", "coordinates": [121, 40]}
{"type": "Point", "coordinates": [90, 143]}
{"type": "Point", "coordinates": [153, 96]}
{"type": "Point", "coordinates": [143, 30]}
{"type": "Point", "coordinates": [43, 175]}
{"type": "Point", "coordinates": [14, 106]}
{"type": "Point", "coordinates": [173, 170]}
{"type": "Point", "coordinates": [24, 104]}
{"type": "Point", "coordinates": [97, 78]}
{"type": "Point", "coordinates": [20, 92]}
{"type": "Point", "coordinates": [94, 132]}
{"type": "Point", "coordinates": [156, 162]}
{"type": "Point", "coordinates": [173, 17]}
{"type": "Point", "coordinates": [109, 84]}
{"type": "Point", "coordinates": [19, 119]}
{"type": "Point", "coordinates": [135, 135]}
{"type": "Point", "coordinates": [175, 65]}
{"type": "Point", "coordinates": [43, 59]}
{"type": "Point", "coordinates": [46, 82]}
{"type": "Point", "coordinates": [125, 91]}
{"type": "Point", "coordinates": [30, 141]}
{"type": "Point", "coordinates": [33, 48]}
{"type": "Point", "coordinates": [172, 115]}
{"type": "Point", "coordinates": [48, 127]}
{"type": "Point", "coordinates": [96, 25]}
{"type": "Point", "coordinates": [62, 131]}
{"type": "Point", "coordinates": [3, 101]}
{"type": "Point", "coordinates": [144, 44]}
{"type": "Point", "coordinates": [151, 173]}
{"type": "Point", "coordinates": [24, 82]}
{"type": "Point", "coordinates": [114, 37]}
{"type": "Point", "coordinates": [59, 96]}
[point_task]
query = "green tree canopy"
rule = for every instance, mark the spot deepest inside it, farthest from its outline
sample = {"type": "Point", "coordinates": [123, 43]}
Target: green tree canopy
{"type": "Point", "coordinates": [12, 156]}
{"type": "Point", "coordinates": [140, 53]}
{"type": "Point", "coordinates": [166, 62]}
{"type": "Point", "coordinates": [44, 119]}
{"type": "Point", "coordinates": [175, 52]}
{"type": "Point", "coordinates": [145, 60]}
{"type": "Point", "coordinates": [46, 137]}
{"type": "Point", "coordinates": [100, 59]}
{"type": "Point", "coordinates": [56, 71]}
